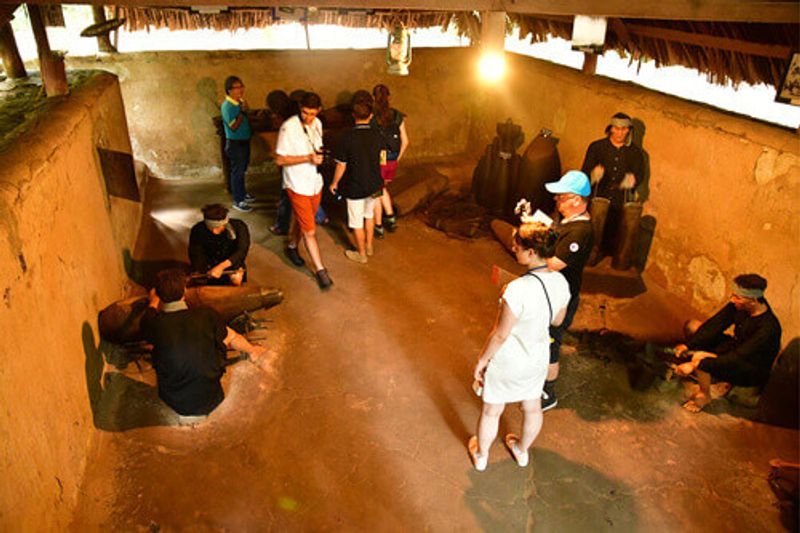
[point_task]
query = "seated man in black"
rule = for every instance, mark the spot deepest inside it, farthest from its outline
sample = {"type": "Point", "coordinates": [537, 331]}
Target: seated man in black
{"type": "Point", "coordinates": [218, 246]}
{"type": "Point", "coordinates": [744, 359]}
{"type": "Point", "coordinates": [189, 347]}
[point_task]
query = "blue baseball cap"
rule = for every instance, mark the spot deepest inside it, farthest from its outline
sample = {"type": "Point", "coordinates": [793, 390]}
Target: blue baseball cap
{"type": "Point", "coordinates": [574, 182]}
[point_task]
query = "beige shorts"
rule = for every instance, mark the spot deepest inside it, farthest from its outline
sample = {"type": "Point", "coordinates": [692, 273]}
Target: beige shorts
{"type": "Point", "coordinates": [358, 210]}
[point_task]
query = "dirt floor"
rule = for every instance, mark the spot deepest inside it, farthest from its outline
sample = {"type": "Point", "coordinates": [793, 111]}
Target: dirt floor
{"type": "Point", "coordinates": [358, 418]}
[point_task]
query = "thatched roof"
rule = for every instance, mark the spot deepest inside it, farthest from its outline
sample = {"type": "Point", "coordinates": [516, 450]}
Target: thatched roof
{"type": "Point", "coordinates": [143, 18]}
{"type": "Point", "coordinates": [724, 51]}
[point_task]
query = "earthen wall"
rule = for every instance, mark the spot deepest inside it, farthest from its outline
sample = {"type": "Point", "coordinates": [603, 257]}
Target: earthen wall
{"type": "Point", "coordinates": [61, 249]}
{"type": "Point", "coordinates": [724, 189]}
{"type": "Point", "coordinates": [171, 97]}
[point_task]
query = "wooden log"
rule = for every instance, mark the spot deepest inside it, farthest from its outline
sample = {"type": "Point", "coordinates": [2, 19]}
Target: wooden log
{"type": "Point", "coordinates": [103, 40]}
{"type": "Point", "coordinates": [9, 53]}
{"type": "Point", "coordinates": [415, 195]}
{"type": "Point", "coordinates": [503, 232]}
{"type": "Point", "coordinates": [54, 76]}
{"type": "Point", "coordinates": [589, 63]}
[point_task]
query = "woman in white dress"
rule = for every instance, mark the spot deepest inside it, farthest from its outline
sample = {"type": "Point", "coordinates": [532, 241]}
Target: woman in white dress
{"type": "Point", "coordinates": [513, 364]}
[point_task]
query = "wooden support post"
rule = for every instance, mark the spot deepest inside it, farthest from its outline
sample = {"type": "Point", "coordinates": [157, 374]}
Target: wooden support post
{"type": "Point", "coordinates": [493, 30]}
{"type": "Point", "coordinates": [589, 63]}
{"type": "Point", "coordinates": [51, 65]}
{"type": "Point", "coordinates": [116, 32]}
{"type": "Point", "coordinates": [9, 53]}
{"type": "Point", "coordinates": [103, 40]}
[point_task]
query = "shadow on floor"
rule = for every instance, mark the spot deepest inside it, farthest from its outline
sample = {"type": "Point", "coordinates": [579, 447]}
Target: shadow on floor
{"type": "Point", "coordinates": [551, 494]}
{"type": "Point", "coordinates": [144, 272]}
{"type": "Point", "coordinates": [633, 385]}
{"type": "Point", "coordinates": [118, 402]}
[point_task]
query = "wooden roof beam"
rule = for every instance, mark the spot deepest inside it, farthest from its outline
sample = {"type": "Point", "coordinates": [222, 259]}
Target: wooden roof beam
{"type": "Point", "coordinates": [7, 12]}
{"type": "Point", "coordinates": [711, 41]}
{"type": "Point", "coordinates": [774, 11]}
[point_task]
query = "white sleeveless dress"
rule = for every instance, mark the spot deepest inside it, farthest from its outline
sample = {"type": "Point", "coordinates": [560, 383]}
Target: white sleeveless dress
{"type": "Point", "coordinates": [518, 370]}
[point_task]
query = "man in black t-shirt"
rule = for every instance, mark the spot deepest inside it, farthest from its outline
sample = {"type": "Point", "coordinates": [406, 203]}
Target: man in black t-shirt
{"type": "Point", "coordinates": [189, 347]}
{"type": "Point", "coordinates": [574, 244]}
{"type": "Point", "coordinates": [358, 168]}
{"type": "Point", "coordinates": [744, 359]}
{"type": "Point", "coordinates": [218, 246]}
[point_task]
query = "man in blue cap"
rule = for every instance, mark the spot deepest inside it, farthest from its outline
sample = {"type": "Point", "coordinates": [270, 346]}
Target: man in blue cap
{"type": "Point", "coordinates": [575, 240]}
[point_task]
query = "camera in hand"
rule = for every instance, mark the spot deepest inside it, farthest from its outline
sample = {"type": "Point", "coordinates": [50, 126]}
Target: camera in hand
{"type": "Point", "coordinates": [326, 156]}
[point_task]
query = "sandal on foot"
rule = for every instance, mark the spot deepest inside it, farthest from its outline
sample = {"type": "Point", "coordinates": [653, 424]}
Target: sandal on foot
{"type": "Point", "coordinates": [479, 461]}
{"type": "Point", "coordinates": [353, 255]}
{"type": "Point", "coordinates": [519, 456]}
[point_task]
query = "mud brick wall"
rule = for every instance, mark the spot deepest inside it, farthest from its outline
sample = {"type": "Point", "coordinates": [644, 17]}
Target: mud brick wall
{"type": "Point", "coordinates": [171, 97]}
{"type": "Point", "coordinates": [724, 189]}
{"type": "Point", "coordinates": [61, 249]}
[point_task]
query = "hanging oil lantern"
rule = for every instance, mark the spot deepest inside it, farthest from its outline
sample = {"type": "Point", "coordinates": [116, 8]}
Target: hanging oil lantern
{"type": "Point", "coordinates": [398, 51]}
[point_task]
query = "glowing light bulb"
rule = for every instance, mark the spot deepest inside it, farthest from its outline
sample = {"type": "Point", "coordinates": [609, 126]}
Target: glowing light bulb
{"type": "Point", "coordinates": [492, 66]}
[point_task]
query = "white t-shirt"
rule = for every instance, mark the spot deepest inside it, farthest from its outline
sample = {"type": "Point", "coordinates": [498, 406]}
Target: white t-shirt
{"type": "Point", "coordinates": [295, 139]}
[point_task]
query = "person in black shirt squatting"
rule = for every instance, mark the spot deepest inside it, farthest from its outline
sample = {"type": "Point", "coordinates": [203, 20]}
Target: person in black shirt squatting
{"type": "Point", "coordinates": [574, 244]}
{"type": "Point", "coordinates": [189, 347]}
{"type": "Point", "coordinates": [358, 168]}
{"type": "Point", "coordinates": [218, 246]}
{"type": "Point", "coordinates": [744, 359]}
{"type": "Point", "coordinates": [615, 166]}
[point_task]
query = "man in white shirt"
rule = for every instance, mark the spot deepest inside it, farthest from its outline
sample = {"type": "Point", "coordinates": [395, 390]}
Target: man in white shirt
{"type": "Point", "coordinates": [299, 152]}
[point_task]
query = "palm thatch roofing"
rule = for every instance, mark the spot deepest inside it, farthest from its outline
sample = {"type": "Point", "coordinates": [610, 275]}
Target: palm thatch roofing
{"type": "Point", "coordinates": [145, 18]}
{"type": "Point", "coordinates": [726, 52]}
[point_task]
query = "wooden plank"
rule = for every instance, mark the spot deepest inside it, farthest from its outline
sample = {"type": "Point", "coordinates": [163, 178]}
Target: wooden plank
{"type": "Point", "coordinates": [589, 63]}
{"type": "Point", "coordinates": [7, 12]}
{"type": "Point", "coordinates": [103, 40]}
{"type": "Point", "coordinates": [54, 76]}
{"type": "Point", "coordinates": [776, 11]}
{"type": "Point", "coordinates": [9, 53]}
{"type": "Point", "coordinates": [711, 41]}
{"type": "Point", "coordinates": [119, 174]}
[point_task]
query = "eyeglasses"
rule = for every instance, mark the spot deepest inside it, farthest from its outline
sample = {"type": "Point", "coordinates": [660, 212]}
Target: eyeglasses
{"type": "Point", "coordinates": [565, 197]}
{"type": "Point", "coordinates": [237, 86]}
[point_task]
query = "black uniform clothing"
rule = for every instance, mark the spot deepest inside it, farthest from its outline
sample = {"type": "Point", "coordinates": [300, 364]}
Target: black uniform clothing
{"type": "Point", "coordinates": [360, 148]}
{"type": "Point", "coordinates": [207, 250]}
{"type": "Point", "coordinates": [617, 162]}
{"type": "Point", "coordinates": [390, 133]}
{"type": "Point", "coordinates": [574, 244]}
{"type": "Point", "coordinates": [188, 350]}
{"type": "Point", "coordinates": [746, 358]}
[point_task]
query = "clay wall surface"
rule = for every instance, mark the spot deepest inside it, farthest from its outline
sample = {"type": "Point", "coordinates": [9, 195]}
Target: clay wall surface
{"type": "Point", "coordinates": [61, 250]}
{"type": "Point", "coordinates": [171, 97]}
{"type": "Point", "coordinates": [723, 189]}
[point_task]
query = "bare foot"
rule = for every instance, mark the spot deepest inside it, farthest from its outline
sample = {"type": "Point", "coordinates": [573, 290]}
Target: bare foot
{"type": "Point", "coordinates": [718, 390]}
{"type": "Point", "coordinates": [696, 403]}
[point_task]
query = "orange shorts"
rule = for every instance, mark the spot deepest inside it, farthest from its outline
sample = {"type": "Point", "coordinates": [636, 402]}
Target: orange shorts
{"type": "Point", "coordinates": [304, 208]}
